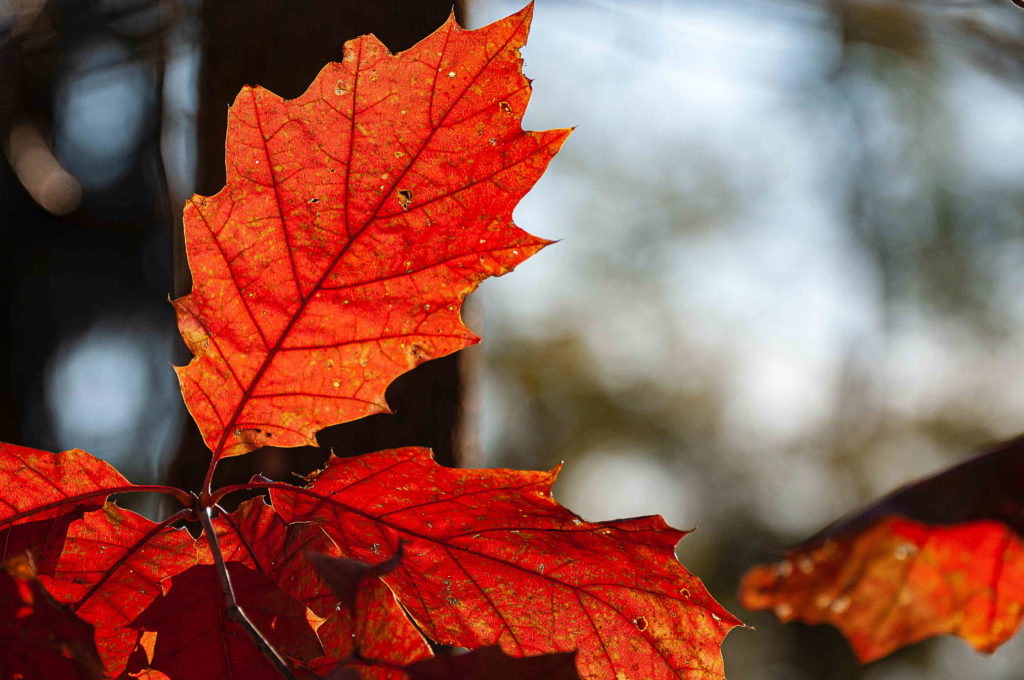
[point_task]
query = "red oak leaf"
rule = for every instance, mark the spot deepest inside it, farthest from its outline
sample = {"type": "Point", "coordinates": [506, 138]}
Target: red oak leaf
{"type": "Point", "coordinates": [383, 650]}
{"type": "Point", "coordinates": [257, 537]}
{"type": "Point", "coordinates": [40, 640]}
{"type": "Point", "coordinates": [41, 493]}
{"type": "Point", "coordinates": [491, 558]}
{"type": "Point", "coordinates": [223, 647]}
{"type": "Point", "coordinates": [112, 569]}
{"type": "Point", "coordinates": [943, 555]}
{"type": "Point", "coordinates": [355, 220]}
{"type": "Point", "coordinates": [369, 637]}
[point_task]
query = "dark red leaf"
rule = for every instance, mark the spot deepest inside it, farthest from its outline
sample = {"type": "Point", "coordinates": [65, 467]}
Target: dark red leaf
{"type": "Point", "coordinates": [257, 537]}
{"type": "Point", "coordinates": [192, 639]}
{"type": "Point", "coordinates": [369, 637]}
{"type": "Point", "coordinates": [345, 576]}
{"type": "Point", "coordinates": [490, 663]}
{"type": "Point", "coordinates": [40, 640]}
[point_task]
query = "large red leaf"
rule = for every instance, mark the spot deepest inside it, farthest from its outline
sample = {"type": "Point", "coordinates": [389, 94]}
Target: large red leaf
{"type": "Point", "coordinates": [355, 220]}
{"type": "Point", "coordinates": [943, 555]}
{"type": "Point", "coordinates": [492, 558]}
{"type": "Point", "coordinates": [192, 638]}
{"type": "Point", "coordinates": [112, 569]}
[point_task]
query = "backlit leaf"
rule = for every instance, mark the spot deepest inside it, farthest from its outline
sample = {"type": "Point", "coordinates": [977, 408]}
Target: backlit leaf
{"type": "Point", "coordinates": [942, 555]}
{"type": "Point", "coordinates": [491, 558]}
{"type": "Point", "coordinates": [112, 569]}
{"type": "Point", "coordinates": [355, 220]}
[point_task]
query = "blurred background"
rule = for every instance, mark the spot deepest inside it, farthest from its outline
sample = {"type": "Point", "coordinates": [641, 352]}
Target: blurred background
{"type": "Point", "coordinates": [789, 276]}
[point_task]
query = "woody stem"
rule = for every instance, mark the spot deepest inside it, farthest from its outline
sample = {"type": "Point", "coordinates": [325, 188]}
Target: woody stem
{"type": "Point", "coordinates": [231, 608]}
{"type": "Point", "coordinates": [208, 481]}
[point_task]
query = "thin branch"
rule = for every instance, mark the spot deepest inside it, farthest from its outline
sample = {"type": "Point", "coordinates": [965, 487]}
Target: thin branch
{"type": "Point", "coordinates": [218, 495]}
{"type": "Point", "coordinates": [233, 611]}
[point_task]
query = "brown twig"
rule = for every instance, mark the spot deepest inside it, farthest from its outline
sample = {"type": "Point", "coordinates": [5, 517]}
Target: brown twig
{"type": "Point", "coordinates": [231, 608]}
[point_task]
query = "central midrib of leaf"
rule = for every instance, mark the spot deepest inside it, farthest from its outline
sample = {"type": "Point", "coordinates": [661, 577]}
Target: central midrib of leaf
{"type": "Point", "coordinates": [305, 299]}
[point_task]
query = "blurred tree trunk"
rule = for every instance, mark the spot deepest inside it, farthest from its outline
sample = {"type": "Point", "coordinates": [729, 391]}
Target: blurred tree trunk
{"type": "Point", "coordinates": [282, 45]}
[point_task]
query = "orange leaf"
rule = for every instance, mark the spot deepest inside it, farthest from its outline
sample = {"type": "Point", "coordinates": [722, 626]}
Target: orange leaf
{"type": "Point", "coordinates": [111, 570]}
{"type": "Point", "coordinates": [899, 582]}
{"type": "Point", "coordinates": [939, 556]}
{"type": "Point", "coordinates": [355, 220]}
{"type": "Point", "coordinates": [491, 558]}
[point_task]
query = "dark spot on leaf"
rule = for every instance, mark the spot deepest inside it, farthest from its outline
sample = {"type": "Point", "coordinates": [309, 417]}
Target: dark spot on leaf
{"type": "Point", "coordinates": [405, 198]}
